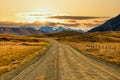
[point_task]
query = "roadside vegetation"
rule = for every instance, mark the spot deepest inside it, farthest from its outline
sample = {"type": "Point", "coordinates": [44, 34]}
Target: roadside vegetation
{"type": "Point", "coordinates": [109, 52]}
{"type": "Point", "coordinates": [103, 45]}
{"type": "Point", "coordinates": [17, 50]}
{"type": "Point", "coordinates": [71, 36]}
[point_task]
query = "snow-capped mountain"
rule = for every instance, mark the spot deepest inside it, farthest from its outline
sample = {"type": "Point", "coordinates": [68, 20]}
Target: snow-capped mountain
{"type": "Point", "coordinates": [49, 29]}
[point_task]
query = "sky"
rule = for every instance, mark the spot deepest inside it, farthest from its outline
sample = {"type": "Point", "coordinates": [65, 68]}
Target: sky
{"type": "Point", "coordinates": [79, 14]}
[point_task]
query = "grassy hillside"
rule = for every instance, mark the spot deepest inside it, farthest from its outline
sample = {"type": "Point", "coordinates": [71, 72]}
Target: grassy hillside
{"type": "Point", "coordinates": [87, 37]}
{"type": "Point", "coordinates": [15, 38]}
{"type": "Point", "coordinates": [63, 34]}
{"type": "Point", "coordinates": [17, 50]}
{"type": "Point", "coordinates": [103, 45]}
{"type": "Point", "coordinates": [39, 36]}
{"type": "Point", "coordinates": [109, 52]}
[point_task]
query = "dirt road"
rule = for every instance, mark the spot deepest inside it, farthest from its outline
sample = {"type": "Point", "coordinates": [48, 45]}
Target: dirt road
{"type": "Point", "coordinates": [62, 62]}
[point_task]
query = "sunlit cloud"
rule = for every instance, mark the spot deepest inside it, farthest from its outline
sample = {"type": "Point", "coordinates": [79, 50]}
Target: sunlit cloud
{"type": "Point", "coordinates": [38, 19]}
{"type": "Point", "coordinates": [39, 16]}
{"type": "Point", "coordinates": [76, 17]}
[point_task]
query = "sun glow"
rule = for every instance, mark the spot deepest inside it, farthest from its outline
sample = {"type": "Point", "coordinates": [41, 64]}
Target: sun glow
{"type": "Point", "coordinates": [39, 16]}
{"type": "Point", "coordinates": [42, 19]}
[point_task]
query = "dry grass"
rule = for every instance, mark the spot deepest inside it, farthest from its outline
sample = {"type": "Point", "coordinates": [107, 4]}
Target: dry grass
{"type": "Point", "coordinates": [104, 45]}
{"type": "Point", "coordinates": [13, 54]}
{"type": "Point", "coordinates": [71, 36]}
{"type": "Point", "coordinates": [107, 51]}
{"type": "Point", "coordinates": [14, 38]}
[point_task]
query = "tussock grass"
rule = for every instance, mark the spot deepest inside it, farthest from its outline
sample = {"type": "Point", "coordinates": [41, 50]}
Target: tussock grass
{"type": "Point", "coordinates": [18, 50]}
{"type": "Point", "coordinates": [72, 36]}
{"type": "Point", "coordinates": [14, 38]}
{"type": "Point", "coordinates": [106, 51]}
{"type": "Point", "coordinates": [103, 45]}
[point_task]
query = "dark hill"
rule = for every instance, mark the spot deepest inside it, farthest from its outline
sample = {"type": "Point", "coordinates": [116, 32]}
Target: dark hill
{"type": "Point", "coordinates": [18, 31]}
{"type": "Point", "coordinates": [110, 25]}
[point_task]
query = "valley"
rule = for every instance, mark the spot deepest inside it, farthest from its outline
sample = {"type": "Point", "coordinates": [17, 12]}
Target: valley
{"type": "Point", "coordinates": [60, 53]}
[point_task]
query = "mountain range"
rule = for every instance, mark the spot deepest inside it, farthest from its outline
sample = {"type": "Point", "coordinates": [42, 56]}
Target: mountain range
{"type": "Point", "coordinates": [48, 29]}
{"type": "Point", "coordinates": [28, 30]}
{"type": "Point", "coordinates": [18, 31]}
{"type": "Point", "coordinates": [110, 25]}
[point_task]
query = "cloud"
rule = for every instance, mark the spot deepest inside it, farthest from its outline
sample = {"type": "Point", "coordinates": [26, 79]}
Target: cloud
{"type": "Point", "coordinates": [78, 22]}
{"type": "Point", "coordinates": [38, 23]}
{"type": "Point", "coordinates": [99, 21]}
{"type": "Point", "coordinates": [75, 17]}
{"type": "Point", "coordinates": [55, 24]}
{"type": "Point", "coordinates": [69, 24]}
{"type": "Point", "coordinates": [11, 23]}
{"type": "Point", "coordinates": [90, 24]}
{"type": "Point", "coordinates": [37, 15]}
{"type": "Point", "coordinates": [86, 24]}
{"type": "Point", "coordinates": [66, 17]}
{"type": "Point", "coordinates": [72, 21]}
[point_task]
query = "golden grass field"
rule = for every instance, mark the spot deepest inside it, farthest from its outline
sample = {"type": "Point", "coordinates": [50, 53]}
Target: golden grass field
{"type": "Point", "coordinates": [106, 51]}
{"type": "Point", "coordinates": [103, 45]}
{"type": "Point", "coordinates": [16, 50]}
{"type": "Point", "coordinates": [13, 53]}
{"type": "Point", "coordinates": [72, 36]}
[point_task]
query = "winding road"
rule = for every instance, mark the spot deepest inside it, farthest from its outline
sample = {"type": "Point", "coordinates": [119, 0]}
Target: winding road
{"type": "Point", "coordinates": [62, 62]}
